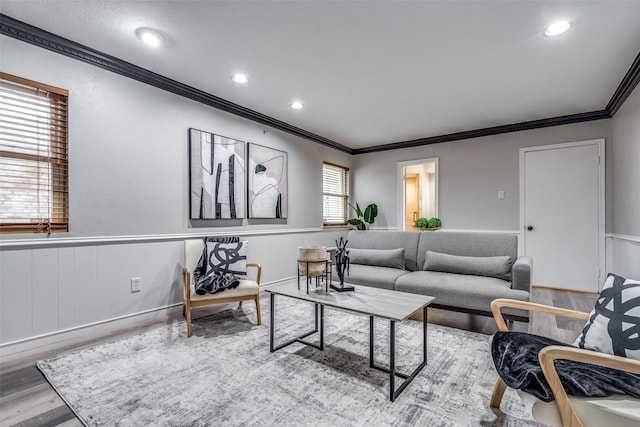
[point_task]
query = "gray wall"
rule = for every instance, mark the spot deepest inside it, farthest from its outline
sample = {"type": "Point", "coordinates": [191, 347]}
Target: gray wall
{"type": "Point", "coordinates": [128, 150]}
{"type": "Point", "coordinates": [129, 211]}
{"type": "Point", "coordinates": [470, 174]}
{"type": "Point", "coordinates": [626, 167]}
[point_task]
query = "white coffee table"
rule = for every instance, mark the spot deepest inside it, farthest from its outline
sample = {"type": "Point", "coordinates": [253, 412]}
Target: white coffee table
{"type": "Point", "coordinates": [391, 305]}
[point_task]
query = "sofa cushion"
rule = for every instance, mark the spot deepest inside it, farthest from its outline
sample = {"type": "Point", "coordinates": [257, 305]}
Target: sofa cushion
{"type": "Point", "coordinates": [467, 244]}
{"type": "Point", "coordinates": [459, 290]}
{"type": "Point", "coordinates": [393, 258]}
{"type": "Point", "coordinates": [372, 239]}
{"type": "Point", "coordinates": [613, 323]}
{"type": "Point", "coordinates": [376, 277]}
{"type": "Point", "coordinates": [488, 266]}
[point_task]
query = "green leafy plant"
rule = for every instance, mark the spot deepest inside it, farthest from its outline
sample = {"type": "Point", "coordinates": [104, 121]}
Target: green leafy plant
{"type": "Point", "coordinates": [434, 223]}
{"type": "Point", "coordinates": [422, 223]}
{"type": "Point", "coordinates": [363, 218]}
{"type": "Point", "coordinates": [428, 223]}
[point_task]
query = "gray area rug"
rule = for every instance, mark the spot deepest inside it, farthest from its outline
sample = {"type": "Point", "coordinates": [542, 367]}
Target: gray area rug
{"type": "Point", "coordinates": [225, 375]}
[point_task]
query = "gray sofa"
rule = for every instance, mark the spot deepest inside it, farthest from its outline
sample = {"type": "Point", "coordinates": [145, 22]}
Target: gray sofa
{"type": "Point", "coordinates": [463, 271]}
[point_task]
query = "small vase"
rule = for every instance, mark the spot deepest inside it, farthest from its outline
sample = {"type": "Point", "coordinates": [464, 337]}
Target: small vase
{"type": "Point", "coordinates": [312, 260]}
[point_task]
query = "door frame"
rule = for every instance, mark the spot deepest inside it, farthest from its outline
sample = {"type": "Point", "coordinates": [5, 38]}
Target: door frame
{"type": "Point", "coordinates": [601, 196]}
{"type": "Point", "coordinates": [401, 199]}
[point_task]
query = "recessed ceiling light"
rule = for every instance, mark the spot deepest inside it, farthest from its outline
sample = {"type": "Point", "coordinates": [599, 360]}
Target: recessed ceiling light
{"type": "Point", "coordinates": [556, 28]}
{"type": "Point", "coordinates": [297, 105]}
{"type": "Point", "coordinates": [150, 36]}
{"type": "Point", "coordinates": [239, 78]}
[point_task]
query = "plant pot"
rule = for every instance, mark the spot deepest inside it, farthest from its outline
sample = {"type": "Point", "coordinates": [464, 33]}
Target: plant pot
{"type": "Point", "coordinates": [312, 260]}
{"type": "Point", "coordinates": [430, 229]}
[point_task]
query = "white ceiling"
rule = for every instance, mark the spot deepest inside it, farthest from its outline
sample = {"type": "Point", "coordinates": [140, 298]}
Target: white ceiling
{"type": "Point", "coordinates": [370, 72]}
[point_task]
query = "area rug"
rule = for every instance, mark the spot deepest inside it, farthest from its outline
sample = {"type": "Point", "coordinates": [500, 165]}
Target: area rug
{"type": "Point", "coordinates": [225, 375]}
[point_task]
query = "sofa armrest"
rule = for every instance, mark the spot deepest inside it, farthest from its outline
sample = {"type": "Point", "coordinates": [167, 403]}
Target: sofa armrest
{"type": "Point", "coordinates": [521, 273]}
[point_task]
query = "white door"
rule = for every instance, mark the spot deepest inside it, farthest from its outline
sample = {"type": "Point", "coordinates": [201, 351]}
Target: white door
{"type": "Point", "coordinates": [562, 213]}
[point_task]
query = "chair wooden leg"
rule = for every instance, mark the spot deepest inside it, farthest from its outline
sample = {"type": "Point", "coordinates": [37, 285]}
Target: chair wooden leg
{"type": "Point", "coordinates": [189, 322]}
{"type": "Point", "coordinates": [257, 300]}
{"type": "Point", "coordinates": [498, 392]}
{"type": "Point", "coordinates": [240, 305]}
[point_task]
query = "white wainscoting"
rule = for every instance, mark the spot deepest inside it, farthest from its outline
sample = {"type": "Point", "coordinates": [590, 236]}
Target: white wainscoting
{"type": "Point", "coordinates": [623, 255]}
{"type": "Point", "coordinates": [52, 291]}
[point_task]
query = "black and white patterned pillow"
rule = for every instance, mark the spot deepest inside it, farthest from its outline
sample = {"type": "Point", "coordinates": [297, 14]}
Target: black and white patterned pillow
{"type": "Point", "coordinates": [614, 323]}
{"type": "Point", "coordinates": [226, 258]}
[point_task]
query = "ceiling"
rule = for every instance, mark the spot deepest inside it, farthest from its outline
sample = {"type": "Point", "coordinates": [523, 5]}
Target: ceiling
{"type": "Point", "coordinates": [370, 72]}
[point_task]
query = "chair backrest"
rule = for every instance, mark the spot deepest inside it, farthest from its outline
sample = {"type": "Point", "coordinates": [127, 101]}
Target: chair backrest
{"type": "Point", "coordinates": [192, 252]}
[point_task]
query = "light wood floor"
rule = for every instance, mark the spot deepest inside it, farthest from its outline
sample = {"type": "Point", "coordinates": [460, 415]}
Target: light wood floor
{"type": "Point", "coordinates": [27, 399]}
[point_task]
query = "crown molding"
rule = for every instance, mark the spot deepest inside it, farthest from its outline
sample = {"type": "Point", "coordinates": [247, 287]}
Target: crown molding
{"type": "Point", "coordinates": [627, 85]}
{"type": "Point", "coordinates": [33, 35]}
{"type": "Point", "coordinates": [36, 36]}
{"type": "Point", "coordinates": [495, 130]}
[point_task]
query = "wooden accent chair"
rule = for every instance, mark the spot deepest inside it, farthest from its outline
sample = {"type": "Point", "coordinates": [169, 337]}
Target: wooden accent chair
{"type": "Point", "coordinates": [247, 290]}
{"type": "Point", "coordinates": [570, 411]}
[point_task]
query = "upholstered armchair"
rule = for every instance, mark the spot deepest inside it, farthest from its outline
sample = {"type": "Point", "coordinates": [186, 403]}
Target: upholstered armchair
{"type": "Point", "coordinates": [246, 290]}
{"type": "Point", "coordinates": [565, 410]}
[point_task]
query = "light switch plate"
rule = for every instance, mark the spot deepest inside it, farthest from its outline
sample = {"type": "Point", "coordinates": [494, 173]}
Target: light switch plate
{"type": "Point", "coordinates": [135, 284]}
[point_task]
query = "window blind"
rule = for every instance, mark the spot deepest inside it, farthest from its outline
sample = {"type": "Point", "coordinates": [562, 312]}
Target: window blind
{"type": "Point", "coordinates": [335, 194]}
{"type": "Point", "coordinates": [33, 157]}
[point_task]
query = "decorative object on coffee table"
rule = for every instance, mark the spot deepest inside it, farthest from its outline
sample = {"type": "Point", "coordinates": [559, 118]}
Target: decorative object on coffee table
{"type": "Point", "coordinates": [313, 261]}
{"type": "Point", "coordinates": [342, 264]}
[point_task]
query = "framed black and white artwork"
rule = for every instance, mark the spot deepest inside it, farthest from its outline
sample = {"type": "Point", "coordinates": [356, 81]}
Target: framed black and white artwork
{"type": "Point", "coordinates": [267, 182]}
{"type": "Point", "coordinates": [217, 176]}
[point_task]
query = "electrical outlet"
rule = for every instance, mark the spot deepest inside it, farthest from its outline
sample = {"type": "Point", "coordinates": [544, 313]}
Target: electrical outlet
{"type": "Point", "coordinates": [501, 194]}
{"type": "Point", "coordinates": [135, 284]}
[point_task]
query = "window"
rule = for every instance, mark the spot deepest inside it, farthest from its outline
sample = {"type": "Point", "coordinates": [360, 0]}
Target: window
{"type": "Point", "coordinates": [335, 194]}
{"type": "Point", "coordinates": [33, 157]}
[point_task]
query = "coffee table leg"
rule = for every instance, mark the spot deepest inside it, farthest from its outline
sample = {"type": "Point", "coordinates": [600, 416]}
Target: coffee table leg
{"type": "Point", "coordinates": [392, 361]}
{"type": "Point", "coordinates": [391, 370]}
{"type": "Point", "coordinates": [424, 336]}
{"type": "Point", "coordinates": [371, 342]}
{"type": "Point", "coordinates": [321, 327]}
{"type": "Point", "coordinates": [271, 327]}
{"type": "Point", "coordinates": [318, 328]}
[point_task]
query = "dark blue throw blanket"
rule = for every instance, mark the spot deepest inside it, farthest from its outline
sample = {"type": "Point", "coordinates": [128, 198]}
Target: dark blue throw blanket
{"type": "Point", "coordinates": [515, 355]}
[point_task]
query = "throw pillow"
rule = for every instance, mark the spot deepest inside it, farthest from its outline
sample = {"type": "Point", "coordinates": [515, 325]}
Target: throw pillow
{"type": "Point", "coordinates": [614, 323]}
{"type": "Point", "coordinates": [493, 266]}
{"type": "Point", "coordinates": [393, 258]}
{"type": "Point", "coordinates": [226, 258]}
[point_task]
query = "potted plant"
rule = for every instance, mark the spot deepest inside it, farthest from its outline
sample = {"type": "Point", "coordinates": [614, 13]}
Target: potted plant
{"type": "Point", "coordinates": [363, 218]}
{"type": "Point", "coordinates": [431, 224]}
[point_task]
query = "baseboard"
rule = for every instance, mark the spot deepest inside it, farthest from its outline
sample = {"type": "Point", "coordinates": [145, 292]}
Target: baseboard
{"type": "Point", "coordinates": [96, 328]}
{"type": "Point", "coordinates": [582, 291]}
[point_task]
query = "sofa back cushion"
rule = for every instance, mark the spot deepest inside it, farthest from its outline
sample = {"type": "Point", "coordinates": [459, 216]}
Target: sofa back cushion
{"type": "Point", "coordinates": [393, 258]}
{"type": "Point", "coordinates": [388, 240]}
{"type": "Point", "coordinates": [468, 244]}
{"type": "Point", "coordinates": [488, 266]}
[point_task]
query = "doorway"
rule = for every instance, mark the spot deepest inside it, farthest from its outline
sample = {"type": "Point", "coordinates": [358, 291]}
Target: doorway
{"type": "Point", "coordinates": [562, 213]}
{"type": "Point", "coordinates": [418, 190]}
